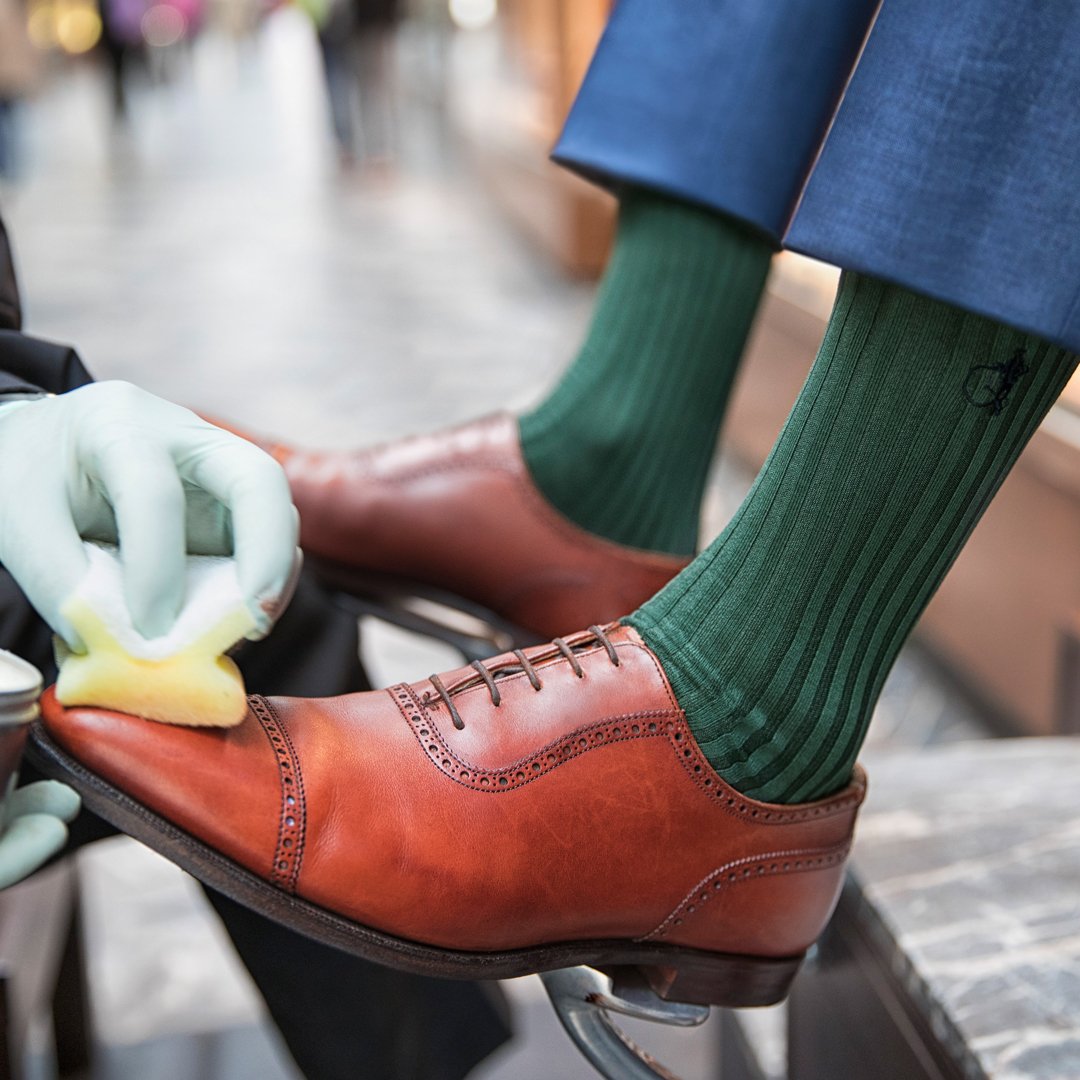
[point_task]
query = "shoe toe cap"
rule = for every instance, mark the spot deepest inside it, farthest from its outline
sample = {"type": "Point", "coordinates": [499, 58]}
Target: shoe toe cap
{"type": "Point", "coordinates": [220, 785]}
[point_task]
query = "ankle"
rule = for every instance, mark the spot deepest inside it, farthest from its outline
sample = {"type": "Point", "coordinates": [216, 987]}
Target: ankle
{"type": "Point", "coordinates": [767, 762]}
{"type": "Point", "coordinates": [594, 476]}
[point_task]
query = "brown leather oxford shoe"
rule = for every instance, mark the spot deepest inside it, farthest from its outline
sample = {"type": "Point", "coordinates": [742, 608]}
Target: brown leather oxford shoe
{"type": "Point", "coordinates": [545, 809]}
{"type": "Point", "coordinates": [457, 512]}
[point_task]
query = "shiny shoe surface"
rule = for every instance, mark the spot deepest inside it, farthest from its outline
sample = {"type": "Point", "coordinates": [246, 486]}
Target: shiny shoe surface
{"type": "Point", "coordinates": [545, 809]}
{"type": "Point", "coordinates": [458, 511]}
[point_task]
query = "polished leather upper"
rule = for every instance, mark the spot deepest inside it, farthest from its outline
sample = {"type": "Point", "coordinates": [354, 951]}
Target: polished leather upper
{"type": "Point", "coordinates": [580, 810]}
{"type": "Point", "coordinates": [458, 510]}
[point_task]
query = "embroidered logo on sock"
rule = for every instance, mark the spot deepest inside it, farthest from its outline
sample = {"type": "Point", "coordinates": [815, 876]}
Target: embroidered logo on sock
{"type": "Point", "coordinates": [988, 385]}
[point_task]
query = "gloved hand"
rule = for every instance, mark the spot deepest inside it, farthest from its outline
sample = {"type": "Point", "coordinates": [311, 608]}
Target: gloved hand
{"type": "Point", "coordinates": [34, 827]}
{"type": "Point", "coordinates": [111, 462]}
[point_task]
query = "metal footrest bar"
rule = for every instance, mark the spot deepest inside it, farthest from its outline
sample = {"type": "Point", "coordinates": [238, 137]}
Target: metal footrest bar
{"type": "Point", "coordinates": [584, 999]}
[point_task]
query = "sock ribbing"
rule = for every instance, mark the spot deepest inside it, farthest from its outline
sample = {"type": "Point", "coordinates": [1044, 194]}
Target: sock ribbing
{"type": "Point", "coordinates": [623, 444]}
{"type": "Point", "coordinates": [777, 639]}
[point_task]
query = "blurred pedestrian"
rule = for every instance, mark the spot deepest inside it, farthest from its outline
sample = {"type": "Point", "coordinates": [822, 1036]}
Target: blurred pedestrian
{"type": "Point", "coordinates": [18, 72]}
{"type": "Point", "coordinates": [356, 40]}
{"type": "Point", "coordinates": [121, 44]}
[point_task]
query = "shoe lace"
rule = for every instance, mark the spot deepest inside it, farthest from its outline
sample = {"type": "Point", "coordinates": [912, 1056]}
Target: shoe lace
{"type": "Point", "coordinates": [489, 675]}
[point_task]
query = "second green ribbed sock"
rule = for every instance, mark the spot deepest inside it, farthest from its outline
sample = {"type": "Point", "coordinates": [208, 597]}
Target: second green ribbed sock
{"type": "Point", "coordinates": [778, 637]}
{"type": "Point", "coordinates": [622, 445]}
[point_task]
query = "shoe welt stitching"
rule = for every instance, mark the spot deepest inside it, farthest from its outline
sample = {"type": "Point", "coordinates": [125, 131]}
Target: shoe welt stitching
{"type": "Point", "coordinates": [749, 868]}
{"type": "Point", "coordinates": [289, 853]}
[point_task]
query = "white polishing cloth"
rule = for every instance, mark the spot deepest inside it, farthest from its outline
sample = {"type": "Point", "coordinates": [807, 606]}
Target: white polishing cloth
{"type": "Point", "coordinates": [212, 592]}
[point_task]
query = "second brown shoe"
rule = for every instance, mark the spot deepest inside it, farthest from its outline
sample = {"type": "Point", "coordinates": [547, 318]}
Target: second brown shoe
{"type": "Point", "coordinates": [455, 516]}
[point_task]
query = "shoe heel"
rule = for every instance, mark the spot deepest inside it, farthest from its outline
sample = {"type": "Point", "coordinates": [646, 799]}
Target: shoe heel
{"type": "Point", "coordinates": [731, 982]}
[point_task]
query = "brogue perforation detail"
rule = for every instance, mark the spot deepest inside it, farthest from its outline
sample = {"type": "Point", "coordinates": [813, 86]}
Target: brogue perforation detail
{"type": "Point", "coordinates": [289, 852]}
{"type": "Point", "coordinates": [642, 725]}
{"type": "Point", "coordinates": [746, 869]}
{"type": "Point", "coordinates": [738, 805]}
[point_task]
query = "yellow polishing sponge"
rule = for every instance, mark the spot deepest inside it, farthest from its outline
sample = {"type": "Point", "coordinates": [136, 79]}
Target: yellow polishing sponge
{"type": "Point", "coordinates": [179, 678]}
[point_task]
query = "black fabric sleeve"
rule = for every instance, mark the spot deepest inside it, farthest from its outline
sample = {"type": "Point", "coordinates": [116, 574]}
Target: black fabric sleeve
{"type": "Point", "coordinates": [12, 384]}
{"type": "Point", "coordinates": [28, 364]}
{"type": "Point", "coordinates": [10, 309]}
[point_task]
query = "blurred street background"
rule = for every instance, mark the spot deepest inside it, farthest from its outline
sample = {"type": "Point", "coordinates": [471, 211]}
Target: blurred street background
{"type": "Point", "coordinates": [212, 244]}
{"type": "Point", "coordinates": [228, 206]}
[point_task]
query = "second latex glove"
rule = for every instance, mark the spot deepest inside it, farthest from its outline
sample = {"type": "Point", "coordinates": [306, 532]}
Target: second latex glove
{"type": "Point", "coordinates": [34, 827]}
{"type": "Point", "coordinates": [111, 462]}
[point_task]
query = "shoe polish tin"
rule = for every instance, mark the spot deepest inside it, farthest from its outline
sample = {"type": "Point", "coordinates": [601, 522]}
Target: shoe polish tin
{"type": "Point", "coordinates": [20, 688]}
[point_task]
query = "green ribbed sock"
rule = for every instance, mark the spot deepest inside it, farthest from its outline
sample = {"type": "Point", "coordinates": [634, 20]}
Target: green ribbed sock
{"type": "Point", "coordinates": [778, 637]}
{"type": "Point", "coordinates": [622, 446]}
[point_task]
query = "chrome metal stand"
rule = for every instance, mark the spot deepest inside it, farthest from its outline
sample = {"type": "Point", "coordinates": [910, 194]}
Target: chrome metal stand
{"type": "Point", "coordinates": [584, 998]}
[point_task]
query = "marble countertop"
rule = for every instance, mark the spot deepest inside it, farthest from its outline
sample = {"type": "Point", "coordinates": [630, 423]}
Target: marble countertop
{"type": "Point", "coordinates": [968, 858]}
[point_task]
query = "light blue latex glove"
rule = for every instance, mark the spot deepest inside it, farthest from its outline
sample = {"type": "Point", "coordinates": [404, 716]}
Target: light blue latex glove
{"type": "Point", "coordinates": [34, 827]}
{"type": "Point", "coordinates": [111, 462]}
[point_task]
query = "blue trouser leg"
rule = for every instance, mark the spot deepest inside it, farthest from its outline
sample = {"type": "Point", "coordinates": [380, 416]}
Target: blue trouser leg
{"type": "Point", "coordinates": [949, 166]}
{"type": "Point", "coordinates": [721, 102]}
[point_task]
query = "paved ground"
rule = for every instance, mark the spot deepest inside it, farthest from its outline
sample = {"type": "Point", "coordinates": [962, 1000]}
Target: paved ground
{"type": "Point", "coordinates": [212, 254]}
